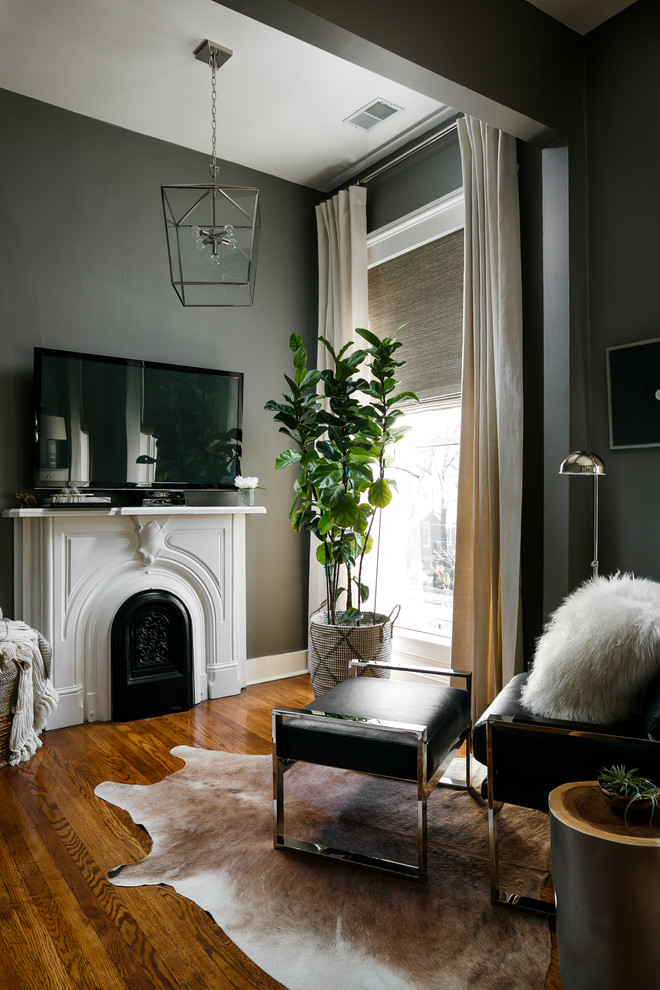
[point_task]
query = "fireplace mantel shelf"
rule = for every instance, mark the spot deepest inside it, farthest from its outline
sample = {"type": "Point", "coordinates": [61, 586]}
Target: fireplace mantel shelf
{"type": "Point", "coordinates": [136, 510]}
{"type": "Point", "coordinates": [75, 567]}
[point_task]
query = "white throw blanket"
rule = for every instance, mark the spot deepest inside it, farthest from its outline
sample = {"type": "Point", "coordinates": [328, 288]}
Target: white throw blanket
{"type": "Point", "coordinates": [37, 698]}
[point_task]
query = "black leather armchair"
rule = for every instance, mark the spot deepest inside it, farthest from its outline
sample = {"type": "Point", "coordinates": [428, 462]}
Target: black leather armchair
{"type": "Point", "coordinates": [528, 756]}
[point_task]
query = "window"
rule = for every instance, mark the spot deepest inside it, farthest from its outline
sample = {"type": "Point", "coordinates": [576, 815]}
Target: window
{"type": "Point", "coordinates": [422, 287]}
{"type": "Point", "coordinates": [417, 542]}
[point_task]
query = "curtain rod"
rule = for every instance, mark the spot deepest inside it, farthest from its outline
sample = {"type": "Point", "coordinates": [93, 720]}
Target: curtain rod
{"type": "Point", "coordinates": [406, 154]}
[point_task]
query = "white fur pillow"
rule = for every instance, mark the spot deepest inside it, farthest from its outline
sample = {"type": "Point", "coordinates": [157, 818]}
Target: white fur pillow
{"type": "Point", "coordinates": [600, 648]}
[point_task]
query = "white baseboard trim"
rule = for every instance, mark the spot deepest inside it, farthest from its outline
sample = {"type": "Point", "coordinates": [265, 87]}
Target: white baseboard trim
{"type": "Point", "coordinates": [274, 668]}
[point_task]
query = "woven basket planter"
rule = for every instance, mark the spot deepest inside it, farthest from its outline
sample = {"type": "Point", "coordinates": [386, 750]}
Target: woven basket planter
{"type": "Point", "coordinates": [331, 648]}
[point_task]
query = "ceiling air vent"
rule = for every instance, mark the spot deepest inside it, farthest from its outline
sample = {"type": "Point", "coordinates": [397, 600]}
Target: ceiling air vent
{"type": "Point", "coordinates": [372, 115]}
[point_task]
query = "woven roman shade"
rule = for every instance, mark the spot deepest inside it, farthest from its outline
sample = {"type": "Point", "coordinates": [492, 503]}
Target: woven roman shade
{"type": "Point", "coordinates": [423, 289]}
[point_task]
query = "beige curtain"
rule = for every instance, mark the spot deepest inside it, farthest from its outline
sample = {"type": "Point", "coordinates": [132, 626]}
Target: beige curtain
{"type": "Point", "coordinates": [486, 626]}
{"type": "Point", "coordinates": [341, 224]}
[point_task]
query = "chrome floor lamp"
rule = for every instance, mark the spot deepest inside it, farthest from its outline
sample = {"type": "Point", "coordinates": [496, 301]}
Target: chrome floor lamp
{"type": "Point", "coordinates": [583, 462]}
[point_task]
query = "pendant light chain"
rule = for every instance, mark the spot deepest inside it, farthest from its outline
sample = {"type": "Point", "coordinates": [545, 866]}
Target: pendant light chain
{"type": "Point", "coordinates": [213, 62]}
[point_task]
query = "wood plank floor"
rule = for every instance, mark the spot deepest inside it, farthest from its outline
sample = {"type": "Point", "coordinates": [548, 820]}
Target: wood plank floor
{"type": "Point", "coordinates": [62, 925]}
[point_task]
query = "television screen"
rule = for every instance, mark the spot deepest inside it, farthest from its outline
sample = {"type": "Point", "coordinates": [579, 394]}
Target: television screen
{"type": "Point", "coordinates": [104, 422]}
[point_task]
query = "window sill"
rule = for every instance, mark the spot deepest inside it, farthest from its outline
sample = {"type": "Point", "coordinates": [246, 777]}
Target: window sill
{"type": "Point", "coordinates": [421, 649]}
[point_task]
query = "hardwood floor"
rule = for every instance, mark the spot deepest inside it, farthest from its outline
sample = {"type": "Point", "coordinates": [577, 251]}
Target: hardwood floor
{"type": "Point", "coordinates": [62, 925]}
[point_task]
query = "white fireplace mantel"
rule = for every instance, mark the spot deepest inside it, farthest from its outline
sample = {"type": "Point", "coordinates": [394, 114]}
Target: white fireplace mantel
{"type": "Point", "coordinates": [74, 568]}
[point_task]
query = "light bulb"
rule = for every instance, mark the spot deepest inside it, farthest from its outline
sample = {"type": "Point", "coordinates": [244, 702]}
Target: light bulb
{"type": "Point", "coordinates": [195, 231]}
{"type": "Point", "coordinates": [215, 260]}
{"type": "Point", "coordinates": [229, 230]}
{"type": "Point", "coordinates": [200, 243]}
{"type": "Point", "coordinates": [230, 243]}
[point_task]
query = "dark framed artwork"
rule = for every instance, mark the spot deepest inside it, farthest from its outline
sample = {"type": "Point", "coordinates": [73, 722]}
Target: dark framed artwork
{"type": "Point", "coordinates": [633, 387]}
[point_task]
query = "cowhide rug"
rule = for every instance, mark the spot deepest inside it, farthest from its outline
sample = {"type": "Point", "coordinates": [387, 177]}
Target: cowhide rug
{"type": "Point", "coordinates": [328, 925]}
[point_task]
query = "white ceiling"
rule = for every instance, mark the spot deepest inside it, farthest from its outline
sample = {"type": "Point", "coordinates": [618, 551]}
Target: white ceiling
{"type": "Point", "coordinates": [281, 102]}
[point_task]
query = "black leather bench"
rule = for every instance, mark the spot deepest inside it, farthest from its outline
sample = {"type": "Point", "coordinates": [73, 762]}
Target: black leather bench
{"type": "Point", "coordinates": [396, 729]}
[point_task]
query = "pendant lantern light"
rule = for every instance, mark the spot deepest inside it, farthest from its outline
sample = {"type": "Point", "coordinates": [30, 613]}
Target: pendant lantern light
{"type": "Point", "coordinates": [212, 230]}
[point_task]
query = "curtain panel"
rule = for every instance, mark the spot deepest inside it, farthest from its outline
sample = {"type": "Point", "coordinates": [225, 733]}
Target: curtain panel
{"type": "Point", "coordinates": [341, 224]}
{"type": "Point", "coordinates": [487, 615]}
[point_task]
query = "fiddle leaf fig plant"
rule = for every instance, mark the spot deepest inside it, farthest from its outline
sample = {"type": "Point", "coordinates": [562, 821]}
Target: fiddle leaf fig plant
{"type": "Point", "coordinates": [340, 451]}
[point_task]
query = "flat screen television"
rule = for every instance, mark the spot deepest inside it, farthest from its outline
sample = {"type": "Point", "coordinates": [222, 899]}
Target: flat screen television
{"type": "Point", "coordinates": [113, 423]}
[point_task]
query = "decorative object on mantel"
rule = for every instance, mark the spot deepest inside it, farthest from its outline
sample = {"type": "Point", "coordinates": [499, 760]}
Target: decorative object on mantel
{"type": "Point", "coordinates": [583, 462]}
{"type": "Point", "coordinates": [339, 929]}
{"type": "Point", "coordinates": [246, 489]}
{"type": "Point", "coordinates": [157, 496]}
{"type": "Point", "coordinates": [340, 454]}
{"type": "Point", "coordinates": [26, 500]}
{"type": "Point", "coordinates": [71, 497]}
{"type": "Point", "coordinates": [212, 230]}
{"type": "Point", "coordinates": [27, 696]}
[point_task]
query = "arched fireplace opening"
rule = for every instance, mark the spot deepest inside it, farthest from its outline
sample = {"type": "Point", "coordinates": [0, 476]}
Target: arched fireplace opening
{"type": "Point", "coordinates": [151, 657]}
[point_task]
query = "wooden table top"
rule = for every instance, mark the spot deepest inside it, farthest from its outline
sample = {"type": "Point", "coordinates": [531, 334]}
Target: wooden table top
{"type": "Point", "coordinates": [580, 805]}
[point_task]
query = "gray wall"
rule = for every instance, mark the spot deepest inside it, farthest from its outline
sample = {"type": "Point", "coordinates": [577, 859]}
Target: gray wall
{"type": "Point", "coordinates": [83, 266]}
{"type": "Point", "coordinates": [420, 179]}
{"type": "Point", "coordinates": [623, 105]}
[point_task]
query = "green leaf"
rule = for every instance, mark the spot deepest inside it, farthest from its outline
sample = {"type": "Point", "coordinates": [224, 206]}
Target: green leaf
{"type": "Point", "coordinates": [360, 456]}
{"type": "Point", "coordinates": [362, 472]}
{"type": "Point", "coordinates": [401, 397]}
{"type": "Point", "coordinates": [343, 553]}
{"type": "Point", "coordinates": [286, 458]}
{"type": "Point", "coordinates": [311, 379]}
{"type": "Point", "coordinates": [325, 524]}
{"type": "Point", "coordinates": [346, 513]}
{"type": "Point", "coordinates": [355, 359]}
{"type": "Point", "coordinates": [328, 450]}
{"type": "Point", "coordinates": [367, 335]}
{"type": "Point", "coordinates": [331, 496]}
{"type": "Point", "coordinates": [273, 406]}
{"type": "Point", "coordinates": [349, 616]}
{"type": "Point", "coordinates": [324, 479]}
{"type": "Point", "coordinates": [366, 512]}
{"type": "Point", "coordinates": [380, 493]}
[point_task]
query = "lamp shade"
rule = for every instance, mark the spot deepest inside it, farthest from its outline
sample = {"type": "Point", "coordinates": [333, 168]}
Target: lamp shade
{"type": "Point", "coordinates": [212, 242]}
{"type": "Point", "coordinates": [582, 462]}
{"type": "Point", "coordinates": [53, 427]}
